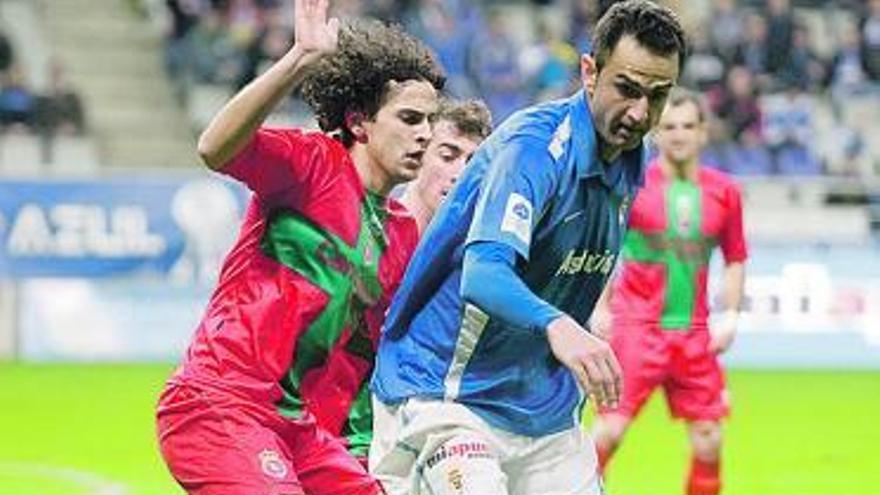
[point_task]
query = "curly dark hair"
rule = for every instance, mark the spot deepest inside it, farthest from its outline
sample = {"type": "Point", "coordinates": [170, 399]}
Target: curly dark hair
{"type": "Point", "coordinates": [355, 77]}
{"type": "Point", "coordinates": [655, 27]}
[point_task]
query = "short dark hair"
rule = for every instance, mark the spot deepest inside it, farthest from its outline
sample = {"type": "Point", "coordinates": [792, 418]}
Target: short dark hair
{"type": "Point", "coordinates": [356, 77]}
{"type": "Point", "coordinates": [680, 96]}
{"type": "Point", "coordinates": [655, 27]}
{"type": "Point", "coordinates": [471, 117]}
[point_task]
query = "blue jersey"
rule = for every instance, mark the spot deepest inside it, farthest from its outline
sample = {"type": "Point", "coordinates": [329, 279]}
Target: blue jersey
{"type": "Point", "coordinates": [538, 186]}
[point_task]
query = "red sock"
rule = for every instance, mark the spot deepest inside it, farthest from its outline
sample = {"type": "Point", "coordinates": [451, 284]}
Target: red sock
{"type": "Point", "coordinates": [704, 478]}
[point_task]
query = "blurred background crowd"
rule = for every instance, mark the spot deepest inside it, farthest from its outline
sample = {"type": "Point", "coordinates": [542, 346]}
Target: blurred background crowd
{"type": "Point", "coordinates": [794, 87]}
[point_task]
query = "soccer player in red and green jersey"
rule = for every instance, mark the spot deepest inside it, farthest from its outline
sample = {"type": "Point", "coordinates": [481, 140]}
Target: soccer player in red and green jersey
{"type": "Point", "coordinates": [658, 314]}
{"type": "Point", "coordinates": [271, 397]}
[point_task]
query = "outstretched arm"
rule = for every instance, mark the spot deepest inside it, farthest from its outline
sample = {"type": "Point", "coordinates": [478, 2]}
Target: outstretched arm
{"type": "Point", "coordinates": [235, 124]}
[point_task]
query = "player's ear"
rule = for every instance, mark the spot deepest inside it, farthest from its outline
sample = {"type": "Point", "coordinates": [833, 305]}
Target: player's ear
{"type": "Point", "coordinates": [354, 121]}
{"type": "Point", "coordinates": [589, 72]}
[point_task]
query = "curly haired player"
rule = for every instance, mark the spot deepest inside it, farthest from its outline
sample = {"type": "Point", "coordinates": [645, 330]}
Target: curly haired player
{"type": "Point", "coordinates": [272, 396]}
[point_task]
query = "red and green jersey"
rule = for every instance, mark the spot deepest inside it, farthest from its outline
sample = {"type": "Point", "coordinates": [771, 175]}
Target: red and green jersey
{"type": "Point", "coordinates": [295, 319]}
{"type": "Point", "coordinates": [674, 226]}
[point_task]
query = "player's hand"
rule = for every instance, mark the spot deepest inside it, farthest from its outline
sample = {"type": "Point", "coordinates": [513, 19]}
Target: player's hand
{"type": "Point", "coordinates": [313, 32]}
{"type": "Point", "coordinates": [723, 332]}
{"type": "Point", "coordinates": [601, 322]}
{"type": "Point", "coordinates": [590, 359]}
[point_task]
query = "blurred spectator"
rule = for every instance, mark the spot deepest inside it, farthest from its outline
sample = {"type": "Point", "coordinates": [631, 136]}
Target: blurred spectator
{"type": "Point", "coordinates": [780, 30]}
{"type": "Point", "coordinates": [870, 38]}
{"type": "Point", "coordinates": [6, 58]}
{"type": "Point", "coordinates": [703, 69]}
{"type": "Point", "coordinates": [803, 67]}
{"type": "Point", "coordinates": [789, 131]}
{"type": "Point", "coordinates": [17, 101]}
{"type": "Point", "coordinates": [437, 23]}
{"type": "Point", "coordinates": [582, 18]}
{"type": "Point", "coordinates": [270, 44]}
{"type": "Point", "coordinates": [736, 105]}
{"type": "Point", "coordinates": [183, 16]}
{"type": "Point", "coordinates": [727, 29]}
{"type": "Point", "coordinates": [846, 75]}
{"type": "Point", "coordinates": [388, 10]}
{"type": "Point", "coordinates": [752, 53]}
{"type": "Point", "coordinates": [749, 159]}
{"type": "Point", "coordinates": [245, 19]}
{"type": "Point", "coordinates": [213, 55]}
{"type": "Point", "coordinates": [495, 64]}
{"type": "Point", "coordinates": [59, 110]}
{"type": "Point", "coordinates": [549, 65]}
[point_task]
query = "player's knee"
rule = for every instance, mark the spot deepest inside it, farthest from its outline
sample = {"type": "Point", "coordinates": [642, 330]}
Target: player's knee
{"type": "Point", "coordinates": [464, 464]}
{"type": "Point", "coordinates": [706, 440]}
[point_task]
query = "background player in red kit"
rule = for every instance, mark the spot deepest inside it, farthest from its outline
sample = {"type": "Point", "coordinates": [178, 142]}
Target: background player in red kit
{"type": "Point", "coordinates": [658, 315]}
{"type": "Point", "coordinates": [273, 388]}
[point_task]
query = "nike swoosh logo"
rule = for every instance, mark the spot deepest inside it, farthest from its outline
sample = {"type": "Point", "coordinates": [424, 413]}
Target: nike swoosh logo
{"type": "Point", "coordinates": [573, 216]}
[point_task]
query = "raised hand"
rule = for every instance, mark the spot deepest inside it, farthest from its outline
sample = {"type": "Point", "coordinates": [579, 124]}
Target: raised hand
{"type": "Point", "coordinates": [314, 33]}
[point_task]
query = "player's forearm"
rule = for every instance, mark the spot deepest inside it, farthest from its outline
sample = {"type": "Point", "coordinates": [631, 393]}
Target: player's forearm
{"type": "Point", "coordinates": [235, 124]}
{"type": "Point", "coordinates": [489, 282]}
{"type": "Point", "coordinates": [733, 284]}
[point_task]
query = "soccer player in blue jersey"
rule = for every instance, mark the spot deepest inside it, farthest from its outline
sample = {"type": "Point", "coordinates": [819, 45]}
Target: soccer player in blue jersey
{"type": "Point", "coordinates": [485, 359]}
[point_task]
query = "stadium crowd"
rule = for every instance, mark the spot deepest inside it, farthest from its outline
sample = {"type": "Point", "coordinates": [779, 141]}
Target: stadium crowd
{"type": "Point", "coordinates": [782, 106]}
{"type": "Point", "coordinates": [57, 109]}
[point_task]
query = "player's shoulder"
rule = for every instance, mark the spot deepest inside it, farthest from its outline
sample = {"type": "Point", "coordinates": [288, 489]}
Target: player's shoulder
{"type": "Point", "coordinates": [304, 138]}
{"type": "Point", "coordinates": [541, 122]}
{"type": "Point", "coordinates": [544, 132]}
{"type": "Point", "coordinates": [716, 178]}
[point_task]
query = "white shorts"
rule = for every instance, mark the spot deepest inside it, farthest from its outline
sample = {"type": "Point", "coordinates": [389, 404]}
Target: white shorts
{"type": "Point", "coordinates": [430, 447]}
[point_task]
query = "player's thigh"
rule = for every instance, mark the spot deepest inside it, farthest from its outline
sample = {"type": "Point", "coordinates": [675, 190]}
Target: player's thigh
{"type": "Point", "coordinates": [433, 447]}
{"type": "Point", "coordinates": [564, 463]}
{"type": "Point", "coordinates": [323, 464]}
{"type": "Point", "coordinates": [213, 448]}
{"type": "Point", "coordinates": [465, 461]}
{"type": "Point", "coordinates": [644, 361]}
{"type": "Point", "coordinates": [696, 390]}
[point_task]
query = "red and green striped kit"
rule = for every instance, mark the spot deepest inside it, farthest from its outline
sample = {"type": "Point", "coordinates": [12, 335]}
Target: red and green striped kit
{"type": "Point", "coordinates": [296, 317]}
{"type": "Point", "coordinates": [674, 226]}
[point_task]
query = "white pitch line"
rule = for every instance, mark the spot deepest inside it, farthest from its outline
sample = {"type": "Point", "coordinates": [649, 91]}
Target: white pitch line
{"type": "Point", "coordinates": [92, 483]}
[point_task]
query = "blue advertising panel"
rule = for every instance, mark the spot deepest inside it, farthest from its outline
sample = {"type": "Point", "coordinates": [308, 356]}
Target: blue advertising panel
{"type": "Point", "coordinates": [113, 227]}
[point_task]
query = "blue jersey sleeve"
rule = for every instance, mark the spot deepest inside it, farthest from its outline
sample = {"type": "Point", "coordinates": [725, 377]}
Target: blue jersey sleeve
{"type": "Point", "coordinates": [489, 281]}
{"type": "Point", "coordinates": [518, 184]}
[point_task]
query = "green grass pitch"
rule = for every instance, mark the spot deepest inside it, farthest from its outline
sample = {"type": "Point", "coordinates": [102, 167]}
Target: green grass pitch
{"type": "Point", "coordinates": [88, 430]}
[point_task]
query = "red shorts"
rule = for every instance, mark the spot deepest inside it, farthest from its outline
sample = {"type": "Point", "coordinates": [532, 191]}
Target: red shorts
{"type": "Point", "coordinates": [680, 362]}
{"type": "Point", "coordinates": [218, 444]}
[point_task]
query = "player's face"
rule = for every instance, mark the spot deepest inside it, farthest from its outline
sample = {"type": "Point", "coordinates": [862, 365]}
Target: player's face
{"type": "Point", "coordinates": [629, 92]}
{"type": "Point", "coordinates": [444, 160]}
{"type": "Point", "coordinates": [680, 134]}
{"type": "Point", "coordinates": [399, 134]}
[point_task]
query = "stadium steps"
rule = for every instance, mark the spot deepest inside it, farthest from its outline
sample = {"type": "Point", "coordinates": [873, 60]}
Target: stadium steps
{"type": "Point", "coordinates": [114, 58]}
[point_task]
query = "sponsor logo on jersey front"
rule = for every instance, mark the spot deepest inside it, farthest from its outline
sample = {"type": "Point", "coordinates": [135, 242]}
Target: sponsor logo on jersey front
{"type": "Point", "coordinates": [585, 261]}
